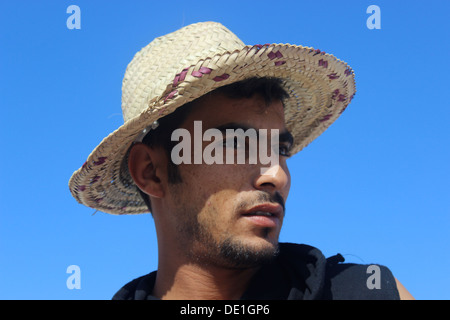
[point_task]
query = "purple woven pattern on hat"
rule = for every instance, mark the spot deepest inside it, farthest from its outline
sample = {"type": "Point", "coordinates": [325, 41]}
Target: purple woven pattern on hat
{"type": "Point", "coordinates": [201, 72]}
{"type": "Point", "coordinates": [333, 76]}
{"type": "Point", "coordinates": [272, 55]}
{"type": "Point", "coordinates": [323, 63]}
{"type": "Point", "coordinates": [225, 76]}
{"type": "Point", "coordinates": [100, 161]}
{"type": "Point", "coordinates": [180, 77]}
{"type": "Point", "coordinates": [170, 95]}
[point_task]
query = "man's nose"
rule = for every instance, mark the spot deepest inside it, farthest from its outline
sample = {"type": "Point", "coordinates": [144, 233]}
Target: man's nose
{"type": "Point", "coordinates": [273, 179]}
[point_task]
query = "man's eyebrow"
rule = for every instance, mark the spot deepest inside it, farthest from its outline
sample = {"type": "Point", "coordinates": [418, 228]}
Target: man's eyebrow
{"type": "Point", "coordinates": [285, 136]}
{"type": "Point", "coordinates": [233, 126]}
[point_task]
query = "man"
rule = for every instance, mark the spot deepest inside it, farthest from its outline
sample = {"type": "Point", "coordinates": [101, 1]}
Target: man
{"type": "Point", "coordinates": [203, 112]}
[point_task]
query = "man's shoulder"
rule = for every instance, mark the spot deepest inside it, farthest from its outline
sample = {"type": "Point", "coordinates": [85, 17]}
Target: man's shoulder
{"type": "Point", "coordinates": [137, 289]}
{"type": "Point", "coordinates": [351, 281]}
{"type": "Point", "coordinates": [345, 281]}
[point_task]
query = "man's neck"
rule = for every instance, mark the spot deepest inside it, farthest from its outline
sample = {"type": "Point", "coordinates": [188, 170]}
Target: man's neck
{"type": "Point", "coordinates": [194, 282]}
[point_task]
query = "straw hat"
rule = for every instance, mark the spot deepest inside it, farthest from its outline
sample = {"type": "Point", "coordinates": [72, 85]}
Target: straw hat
{"type": "Point", "coordinates": [179, 67]}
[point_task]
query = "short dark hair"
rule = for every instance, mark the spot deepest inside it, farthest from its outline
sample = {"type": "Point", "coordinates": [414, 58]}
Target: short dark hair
{"type": "Point", "coordinates": [268, 88]}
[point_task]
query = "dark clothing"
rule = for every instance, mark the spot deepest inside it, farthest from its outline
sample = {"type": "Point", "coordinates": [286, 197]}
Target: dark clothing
{"type": "Point", "coordinates": [299, 272]}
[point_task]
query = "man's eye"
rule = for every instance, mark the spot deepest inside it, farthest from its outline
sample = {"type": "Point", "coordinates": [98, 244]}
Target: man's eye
{"type": "Point", "coordinates": [284, 150]}
{"type": "Point", "coordinates": [234, 143]}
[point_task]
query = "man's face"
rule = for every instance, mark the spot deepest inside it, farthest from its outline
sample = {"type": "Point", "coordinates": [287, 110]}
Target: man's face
{"type": "Point", "coordinates": [230, 215]}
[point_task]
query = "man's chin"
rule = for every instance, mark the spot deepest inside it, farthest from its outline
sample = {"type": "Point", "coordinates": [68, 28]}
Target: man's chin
{"type": "Point", "coordinates": [242, 254]}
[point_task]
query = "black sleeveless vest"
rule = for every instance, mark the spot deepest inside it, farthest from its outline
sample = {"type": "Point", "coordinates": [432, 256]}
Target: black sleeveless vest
{"type": "Point", "coordinates": [300, 272]}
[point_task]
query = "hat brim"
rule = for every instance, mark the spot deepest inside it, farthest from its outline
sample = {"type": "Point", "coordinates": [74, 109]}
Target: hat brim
{"type": "Point", "coordinates": [319, 86]}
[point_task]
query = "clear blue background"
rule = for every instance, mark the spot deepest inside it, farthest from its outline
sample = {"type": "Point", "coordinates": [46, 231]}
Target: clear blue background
{"type": "Point", "coordinates": [374, 187]}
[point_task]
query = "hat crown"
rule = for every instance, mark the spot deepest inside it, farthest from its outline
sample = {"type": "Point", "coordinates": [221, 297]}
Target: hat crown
{"type": "Point", "coordinates": [154, 67]}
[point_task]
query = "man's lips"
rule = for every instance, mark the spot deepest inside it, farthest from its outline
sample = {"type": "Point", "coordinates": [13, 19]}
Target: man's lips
{"type": "Point", "coordinates": [265, 215]}
{"type": "Point", "coordinates": [274, 210]}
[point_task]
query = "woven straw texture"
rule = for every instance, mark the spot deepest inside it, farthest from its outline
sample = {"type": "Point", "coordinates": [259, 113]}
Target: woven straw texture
{"type": "Point", "coordinates": [179, 67]}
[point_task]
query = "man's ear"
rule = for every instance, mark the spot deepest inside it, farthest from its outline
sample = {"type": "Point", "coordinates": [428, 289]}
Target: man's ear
{"type": "Point", "coordinates": [144, 166]}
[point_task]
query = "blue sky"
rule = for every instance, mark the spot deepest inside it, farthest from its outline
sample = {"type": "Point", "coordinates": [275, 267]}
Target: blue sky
{"type": "Point", "coordinates": [374, 187]}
